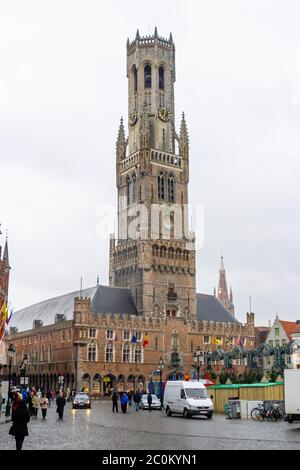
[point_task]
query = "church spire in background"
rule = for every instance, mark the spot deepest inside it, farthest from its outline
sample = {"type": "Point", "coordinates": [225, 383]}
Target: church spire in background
{"type": "Point", "coordinates": [222, 289]}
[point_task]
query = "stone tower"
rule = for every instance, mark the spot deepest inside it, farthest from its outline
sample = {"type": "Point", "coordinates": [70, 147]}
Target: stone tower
{"type": "Point", "coordinates": [227, 300]}
{"type": "Point", "coordinates": [153, 253]}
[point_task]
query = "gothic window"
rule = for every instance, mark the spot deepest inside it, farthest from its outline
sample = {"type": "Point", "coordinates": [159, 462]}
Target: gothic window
{"type": "Point", "coordinates": [126, 353]}
{"type": "Point", "coordinates": [135, 78]}
{"type": "Point", "coordinates": [92, 350]}
{"type": "Point", "coordinates": [161, 77]}
{"type": "Point", "coordinates": [161, 186]}
{"type": "Point", "coordinates": [109, 353]}
{"type": "Point", "coordinates": [171, 189]}
{"type": "Point", "coordinates": [155, 250]}
{"type": "Point", "coordinates": [133, 188]}
{"type": "Point", "coordinates": [138, 355]}
{"type": "Point", "coordinates": [109, 334]}
{"type": "Point", "coordinates": [128, 185]}
{"type": "Point", "coordinates": [147, 76]}
{"type": "Point", "coordinates": [163, 251]}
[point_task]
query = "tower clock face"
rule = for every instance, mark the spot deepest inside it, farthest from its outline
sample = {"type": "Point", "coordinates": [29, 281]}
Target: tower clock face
{"type": "Point", "coordinates": [133, 117]}
{"type": "Point", "coordinates": [164, 114]}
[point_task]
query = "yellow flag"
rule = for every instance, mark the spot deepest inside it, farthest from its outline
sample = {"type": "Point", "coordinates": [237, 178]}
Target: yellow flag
{"type": "Point", "coordinates": [216, 341]}
{"type": "Point", "coordinates": [4, 311]}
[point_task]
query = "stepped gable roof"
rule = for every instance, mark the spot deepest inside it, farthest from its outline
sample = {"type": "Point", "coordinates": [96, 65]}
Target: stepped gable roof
{"type": "Point", "coordinates": [211, 309]}
{"type": "Point", "coordinates": [103, 300]}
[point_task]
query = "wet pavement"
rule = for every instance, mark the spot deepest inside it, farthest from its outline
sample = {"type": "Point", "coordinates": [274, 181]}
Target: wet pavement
{"type": "Point", "coordinates": [99, 428]}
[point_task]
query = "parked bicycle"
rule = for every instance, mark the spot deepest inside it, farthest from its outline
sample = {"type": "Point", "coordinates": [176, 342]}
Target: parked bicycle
{"type": "Point", "coordinates": [272, 413]}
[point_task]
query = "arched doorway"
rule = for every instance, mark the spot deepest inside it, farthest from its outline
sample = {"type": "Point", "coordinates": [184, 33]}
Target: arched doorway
{"type": "Point", "coordinates": [96, 386]}
{"type": "Point", "coordinates": [86, 380]}
{"type": "Point", "coordinates": [130, 385]}
{"type": "Point", "coordinates": [109, 382]}
{"type": "Point", "coordinates": [141, 383]}
{"type": "Point", "coordinates": [121, 383]}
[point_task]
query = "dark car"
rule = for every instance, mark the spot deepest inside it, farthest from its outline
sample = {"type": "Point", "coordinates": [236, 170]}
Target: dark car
{"type": "Point", "coordinates": [81, 400]}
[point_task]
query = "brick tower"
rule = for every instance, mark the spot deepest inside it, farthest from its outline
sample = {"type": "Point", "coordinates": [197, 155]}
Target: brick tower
{"type": "Point", "coordinates": [153, 253]}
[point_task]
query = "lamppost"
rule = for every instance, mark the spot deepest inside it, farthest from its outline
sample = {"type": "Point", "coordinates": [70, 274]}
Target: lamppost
{"type": "Point", "coordinates": [198, 355]}
{"type": "Point", "coordinates": [10, 352]}
{"type": "Point", "coordinates": [161, 366]}
{"type": "Point", "coordinates": [23, 367]}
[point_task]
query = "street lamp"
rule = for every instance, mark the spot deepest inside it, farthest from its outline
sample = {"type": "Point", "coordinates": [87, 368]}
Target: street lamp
{"type": "Point", "coordinates": [23, 367]}
{"type": "Point", "coordinates": [10, 352]}
{"type": "Point", "coordinates": [161, 366]}
{"type": "Point", "coordinates": [198, 355]}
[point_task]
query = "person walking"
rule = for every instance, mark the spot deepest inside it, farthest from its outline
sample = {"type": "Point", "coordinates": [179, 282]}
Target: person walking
{"type": "Point", "coordinates": [35, 404]}
{"type": "Point", "coordinates": [44, 405]}
{"type": "Point", "coordinates": [60, 403]}
{"type": "Point", "coordinates": [30, 405]}
{"type": "Point", "coordinates": [137, 398]}
{"type": "Point", "coordinates": [49, 396]}
{"type": "Point", "coordinates": [124, 402]}
{"type": "Point", "coordinates": [149, 400]}
{"type": "Point", "coordinates": [115, 402]}
{"type": "Point", "coordinates": [19, 428]}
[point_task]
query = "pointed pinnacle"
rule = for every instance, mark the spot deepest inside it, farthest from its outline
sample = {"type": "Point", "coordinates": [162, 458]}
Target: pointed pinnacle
{"type": "Point", "coordinates": [171, 38]}
{"type": "Point", "coordinates": [155, 32]}
{"type": "Point", "coordinates": [137, 34]}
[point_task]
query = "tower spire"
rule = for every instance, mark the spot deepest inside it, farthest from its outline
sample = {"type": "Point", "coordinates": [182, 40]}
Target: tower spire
{"type": "Point", "coordinates": [121, 141]}
{"type": "Point", "coordinates": [227, 300]}
{"type": "Point", "coordinates": [183, 138]}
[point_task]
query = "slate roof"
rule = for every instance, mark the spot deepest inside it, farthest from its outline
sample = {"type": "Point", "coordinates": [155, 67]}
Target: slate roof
{"type": "Point", "coordinates": [210, 308]}
{"type": "Point", "coordinates": [105, 299]}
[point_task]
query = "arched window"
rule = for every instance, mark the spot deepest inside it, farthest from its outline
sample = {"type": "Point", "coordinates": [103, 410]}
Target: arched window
{"type": "Point", "coordinates": [135, 78]}
{"type": "Point", "coordinates": [138, 355]}
{"type": "Point", "coordinates": [171, 189]}
{"type": "Point", "coordinates": [133, 188]}
{"type": "Point", "coordinates": [128, 184]}
{"type": "Point", "coordinates": [126, 353]}
{"type": "Point", "coordinates": [92, 351]}
{"type": "Point", "coordinates": [109, 353]}
{"type": "Point", "coordinates": [161, 186]}
{"type": "Point", "coordinates": [147, 76]}
{"type": "Point", "coordinates": [161, 77]}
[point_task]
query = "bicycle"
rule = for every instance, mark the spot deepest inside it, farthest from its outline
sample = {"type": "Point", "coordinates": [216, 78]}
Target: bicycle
{"type": "Point", "coordinates": [272, 413]}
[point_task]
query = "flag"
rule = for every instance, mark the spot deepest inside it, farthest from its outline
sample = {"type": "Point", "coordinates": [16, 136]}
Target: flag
{"type": "Point", "coordinates": [146, 341]}
{"type": "Point", "coordinates": [133, 339]}
{"type": "Point", "coordinates": [9, 317]}
{"type": "Point", "coordinates": [4, 312]}
{"type": "Point", "coordinates": [240, 342]}
{"type": "Point", "coordinates": [116, 337]}
{"type": "Point", "coordinates": [216, 341]}
{"type": "Point", "coordinates": [229, 341]}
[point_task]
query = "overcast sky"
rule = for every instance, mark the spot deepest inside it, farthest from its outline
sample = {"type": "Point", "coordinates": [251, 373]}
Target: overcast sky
{"type": "Point", "coordinates": [63, 88]}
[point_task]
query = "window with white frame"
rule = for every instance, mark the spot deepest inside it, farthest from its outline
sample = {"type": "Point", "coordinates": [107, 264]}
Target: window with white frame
{"type": "Point", "coordinates": [92, 332]}
{"type": "Point", "coordinates": [92, 351]}
{"type": "Point", "coordinates": [126, 335]}
{"type": "Point", "coordinates": [109, 353]}
{"type": "Point", "coordinates": [109, 334]}
{"type": "Point", "coordinates": [138, 336]}
{"type": "Point", "coordinates": [126, 353]}
{"type": "Point", "coordinates": [138, 355]}
{"type": "Point", "coordinates": [206, 340]}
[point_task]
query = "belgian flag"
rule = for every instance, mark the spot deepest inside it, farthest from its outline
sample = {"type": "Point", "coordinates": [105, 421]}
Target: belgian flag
{"type": "Point", "coordinates": [146, 341]}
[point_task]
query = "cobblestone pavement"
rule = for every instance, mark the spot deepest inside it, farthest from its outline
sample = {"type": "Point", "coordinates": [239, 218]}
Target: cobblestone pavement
{"type": "Point", "coordinates": [99, 428]}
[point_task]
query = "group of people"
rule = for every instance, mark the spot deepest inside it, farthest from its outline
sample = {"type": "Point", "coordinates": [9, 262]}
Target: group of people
{"type": "Point", "coordinates": [25, 404]}
{"type": "Point", "coordinates": [127, 398]}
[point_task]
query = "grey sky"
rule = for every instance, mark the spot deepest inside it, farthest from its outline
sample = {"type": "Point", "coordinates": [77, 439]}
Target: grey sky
{"type": "Point", "coordinates": [63, 88]}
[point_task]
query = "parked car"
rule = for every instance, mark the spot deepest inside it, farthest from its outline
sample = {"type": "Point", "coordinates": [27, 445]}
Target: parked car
{"type": "Point", "coordinates": [156, 405]}
{"type": "Point", "coordinates": [81, 400]}
{"type": "Point", "coordinates": [187, 398]}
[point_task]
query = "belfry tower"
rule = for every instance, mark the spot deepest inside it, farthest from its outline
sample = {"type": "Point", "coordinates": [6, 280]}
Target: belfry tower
{"type": "Point", "coordinates": [153, 253]}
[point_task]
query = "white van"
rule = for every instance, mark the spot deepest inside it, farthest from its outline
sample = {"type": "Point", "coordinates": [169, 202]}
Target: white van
{"type": "Point", "coordinates": [187, 398]}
